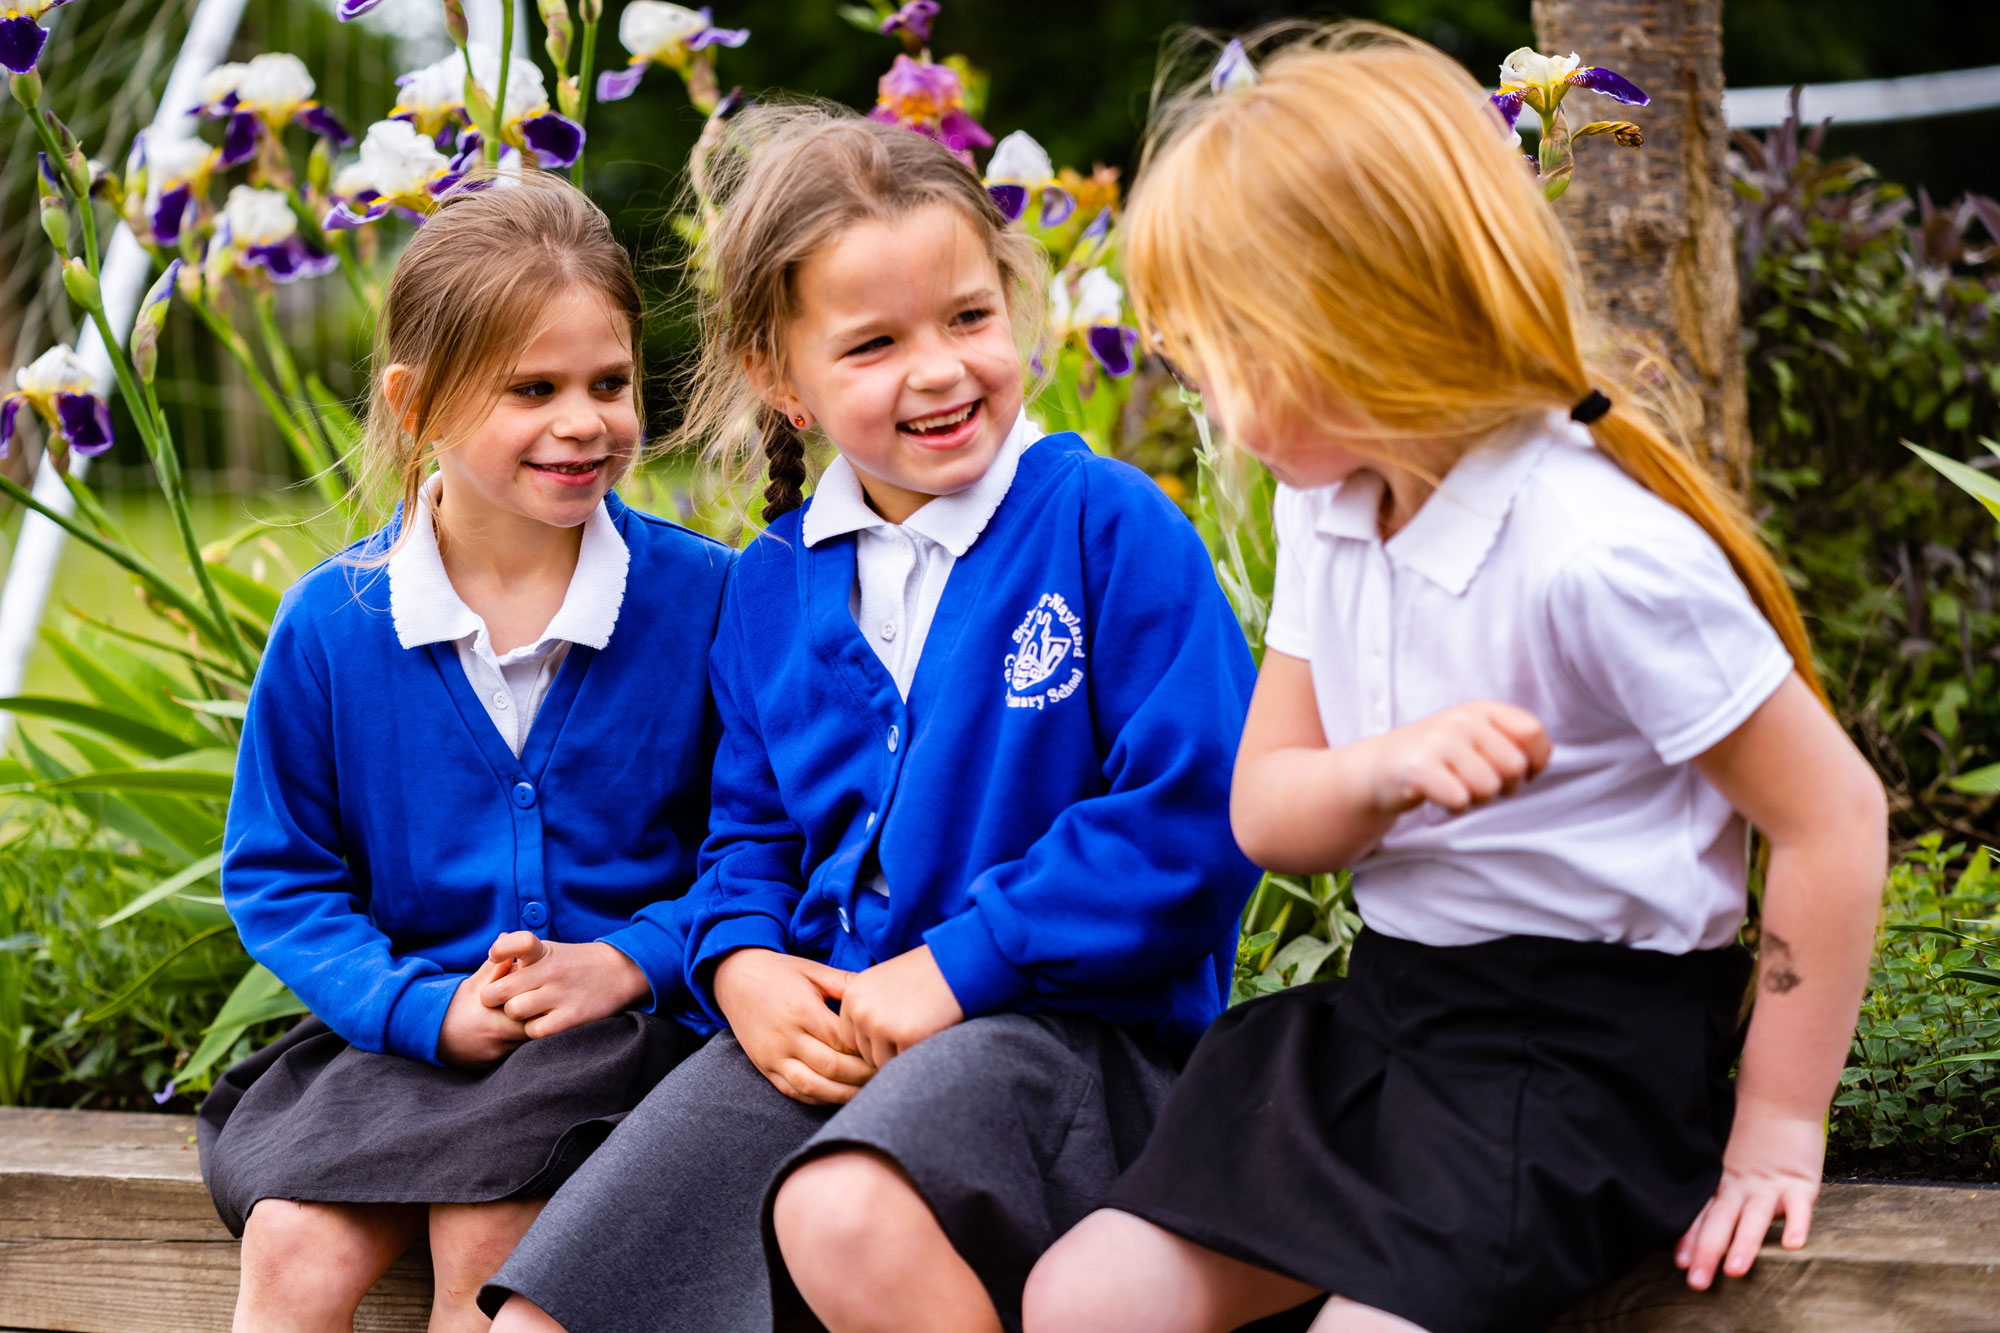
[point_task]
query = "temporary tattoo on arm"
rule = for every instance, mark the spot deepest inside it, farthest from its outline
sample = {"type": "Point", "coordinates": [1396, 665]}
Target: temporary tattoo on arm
{"type": "Point", "coordinates": [1779, 974]}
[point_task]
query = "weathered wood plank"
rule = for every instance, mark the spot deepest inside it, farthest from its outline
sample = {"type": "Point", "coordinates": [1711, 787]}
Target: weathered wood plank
{"type": "Point", "coordinates": [105, 1228]}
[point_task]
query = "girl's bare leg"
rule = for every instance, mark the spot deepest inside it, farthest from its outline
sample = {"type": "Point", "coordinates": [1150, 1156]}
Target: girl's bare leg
{"type": "Point", "coordinates": [469, 1242]}
{"type": "Point", "coordinates": [868, 1254]}
{"type": "Point", "coordinates": [1345, 1316]}
{"type": "Point", "coordinates": [1115, 1272]}
{"type": "Point", "coordinates": [306, 1266]}
{"type": "Point", "coordinates": [521, 1315]}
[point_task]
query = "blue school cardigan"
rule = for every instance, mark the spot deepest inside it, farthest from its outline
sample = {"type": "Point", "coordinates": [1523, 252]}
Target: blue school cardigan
{"type": "Point", "coordinates": [1050, 807]}
{"type": "Point", "coordinates": [381, 833]}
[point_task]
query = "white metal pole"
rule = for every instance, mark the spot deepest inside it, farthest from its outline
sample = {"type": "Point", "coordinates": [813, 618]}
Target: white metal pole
{"type": "Point", "coordinates": [482, 25]}
{"type": "Point", "coordinates": [126, 272]}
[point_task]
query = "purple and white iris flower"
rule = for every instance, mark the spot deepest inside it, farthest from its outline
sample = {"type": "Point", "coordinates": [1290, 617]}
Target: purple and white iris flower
{"type": "Point", "coordinates": [527, 121]}
{"type": "Point", "coordinates": [165, 178]}
{"type": "Point", "coordinates": [1093, 315]}
{"type": "Point", "coordinates": [1539, 83]}
{"type": "Point", "coordinates": [266, 93]}
{"type": "Point", "coordinates": [1233, 72]}
{"type": "Point", "coordinates": [354, 9]}
{"type": "Point", "coordinates": [400, 170]}
{"type": "Point", "coordinates": [433, 98]}
{"type": "Point", "coordinates": [61, 392]}
{"type": "Point", "coordinates": [1019, 168]}
{"type": "Point", "coordinates": [915, 19]}
{"type": "Point", "coordinates": [259, 227]}
{"type": "Point", "coordinates": [22, 35]}
{"type": "Point", "coordinates": [929, 98]}
{"type": "Point", "coordinates": [657, 33]}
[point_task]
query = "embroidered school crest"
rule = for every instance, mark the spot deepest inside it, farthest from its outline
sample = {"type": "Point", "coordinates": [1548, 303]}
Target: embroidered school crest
{"type": "Point", "coordinates": [1048, 647]}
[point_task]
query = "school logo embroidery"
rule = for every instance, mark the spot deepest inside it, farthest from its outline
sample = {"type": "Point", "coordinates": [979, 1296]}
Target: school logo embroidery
{"type": "Point", "coordinates": [1048, 641]}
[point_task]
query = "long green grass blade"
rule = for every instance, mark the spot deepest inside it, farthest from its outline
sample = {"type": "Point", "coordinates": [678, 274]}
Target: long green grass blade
{"type": "Point", "coordinates": [191, 783]}
{"type": "Point", "coordinates": [1972, 481]}
{"type": "Point", "coordinates": [193, 873]}
{"type": "Point", "coordinates": [140, 735]}
{"type": "Point", "coordinates": [258, 998]}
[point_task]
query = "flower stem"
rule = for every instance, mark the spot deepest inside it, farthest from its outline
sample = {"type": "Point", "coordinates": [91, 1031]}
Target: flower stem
{"type": "Point", "coordinates": [323, 455]}
{"type": "Point", "coordinates": [585, 71]}
{"type": "Point", "coordinates": [500, 93]}
{"type": "Point", "coordinates": [316, 465]}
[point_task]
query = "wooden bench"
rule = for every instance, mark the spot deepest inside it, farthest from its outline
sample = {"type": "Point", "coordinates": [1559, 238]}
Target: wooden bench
{"type": "Point", "coordinates": [105, 1228]}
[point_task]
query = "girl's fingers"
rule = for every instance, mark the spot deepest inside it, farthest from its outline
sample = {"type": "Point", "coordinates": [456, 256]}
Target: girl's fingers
{"type": "Point", "coordinates": [1754, 1221]}
{"type": "Point", "coordinates": [1799, 1200]}
{"type": "Point", "coordinates": [1481, 780]}
{"type": "Point", "coordinates": [829, 1063]}
{"type": "Point", "coordinates": [529, 1004]}
{"type": "Point", "coordinates": [1716, 1229]}
{"type": "Point", "coordinates": [1436, 783]}
{"type": "Point", "coordinates": [1525, 730]}
{"type": "Point", "coordinates": [520, 946]}
{"type": "Point", "coordinates": [497, 992]}
{"type": "Point", "coordinates": [1506, 757]}
{"type": "Point", "coordinates": [831, 981]}
{"type": "Point", "coordinates": [815, 1089]}
{"type": "Point", "coordinates": [1684, 1248]}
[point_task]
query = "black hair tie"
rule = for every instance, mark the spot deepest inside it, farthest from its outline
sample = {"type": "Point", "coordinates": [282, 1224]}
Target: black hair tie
{"type": "Point", "coordinates": [1593, 406]}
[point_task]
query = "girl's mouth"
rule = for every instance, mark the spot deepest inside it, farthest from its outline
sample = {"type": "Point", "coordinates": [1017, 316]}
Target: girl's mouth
{"type": "Point", "coordinates": [943, 429]}
{"type": "Point", "coordinates": [582, 473]}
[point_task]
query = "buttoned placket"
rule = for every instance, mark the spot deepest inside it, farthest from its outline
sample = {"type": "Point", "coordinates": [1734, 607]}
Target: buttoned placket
{"type": "Point", "coordinates": [1373, 624]}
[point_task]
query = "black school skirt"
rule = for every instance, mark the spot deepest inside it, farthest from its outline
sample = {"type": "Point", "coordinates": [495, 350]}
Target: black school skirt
{"type": "Point", "coordinates": [311, 1118]}
{"type": "Point", "coordinates": [1470, 1138]}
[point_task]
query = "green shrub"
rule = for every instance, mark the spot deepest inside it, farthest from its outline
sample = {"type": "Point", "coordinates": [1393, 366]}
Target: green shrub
{"type": "Point", "coordinates": [1921, 1092]}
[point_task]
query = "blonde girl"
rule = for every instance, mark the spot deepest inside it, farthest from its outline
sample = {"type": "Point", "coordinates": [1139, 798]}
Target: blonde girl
{"type": "Point", "coordinates": [474, 768]}
{"type": "Point", "coordinates": [969, 892]}
{"type": "Point", "coordinates": [1529, 674]}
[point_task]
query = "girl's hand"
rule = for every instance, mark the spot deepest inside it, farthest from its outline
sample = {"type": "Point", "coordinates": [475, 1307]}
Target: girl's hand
{"type": "Point", "coordinates": [475, 1036]}
{"type": "Point", "coordinates": [1460, 758]}
{"type": "Point", "coordinates": [1771, 1166]}
{"type": "Point", "coordinates": [776, 1006]}
{"type": "Point", "coordinates": [548, 987]}
{"type": "Point", "coordinates": [894, 1005]}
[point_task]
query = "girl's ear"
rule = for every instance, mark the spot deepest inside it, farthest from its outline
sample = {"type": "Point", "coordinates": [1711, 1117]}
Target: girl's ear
{"type": "Point", "coordinates": [777, 394]}
{"type": "Point", "coordinates": [399, 385]}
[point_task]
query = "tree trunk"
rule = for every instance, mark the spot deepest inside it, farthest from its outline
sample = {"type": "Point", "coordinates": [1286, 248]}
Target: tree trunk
{"type": "Point", "coordinates": [1651, 226]}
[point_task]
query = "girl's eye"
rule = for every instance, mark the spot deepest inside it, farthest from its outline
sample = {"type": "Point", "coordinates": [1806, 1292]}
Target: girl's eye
{"type": "Point", "coordinates": [613, 384]}
{"type": "Point", "coordinates": [872, 345]}
{"type": "Point", "coordinates": [976, 315]}
{"type": "Point", "coordinates": [534, 389]}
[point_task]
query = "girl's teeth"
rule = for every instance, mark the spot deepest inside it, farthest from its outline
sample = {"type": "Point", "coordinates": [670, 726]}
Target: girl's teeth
{"type": "Point", "coordinates": [938, 422]}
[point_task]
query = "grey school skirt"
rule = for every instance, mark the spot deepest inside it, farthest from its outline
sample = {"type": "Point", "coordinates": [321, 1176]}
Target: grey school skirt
{"type": "Point", "coordinates": [311, 1118]}
{"type": "Point", "coordinates": [1012, 1126]}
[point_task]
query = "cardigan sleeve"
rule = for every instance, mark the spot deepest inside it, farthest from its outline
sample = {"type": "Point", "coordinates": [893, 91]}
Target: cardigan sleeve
{"type": "Point", "coordinates": [285, 876]}
{"type": "Point", "coordinates": [1133, 885]}
{"type": "Point", "coordinates": [749, 876]}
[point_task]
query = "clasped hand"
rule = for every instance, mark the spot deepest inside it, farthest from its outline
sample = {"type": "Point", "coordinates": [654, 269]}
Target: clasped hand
{"type": "Point", "coordinates": [529, 988]}
{"type": "Point", "coordinates": [1459, 758]}
{"type": "Point", "coordinates": [778, 1006]}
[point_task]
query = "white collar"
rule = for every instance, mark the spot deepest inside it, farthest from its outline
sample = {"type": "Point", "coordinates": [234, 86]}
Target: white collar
{"type": "Point", "coordinates": [427, 609]}
{"type": "Point", "coordinates": [1451, 534]}
{"type": "Point", "coordinates": [840, 506]}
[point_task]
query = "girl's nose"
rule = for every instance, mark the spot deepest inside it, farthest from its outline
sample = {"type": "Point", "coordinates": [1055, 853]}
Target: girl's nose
{"type": "Point", "coordinates": [937, 366]}
{"type": "Point", "coordinates": [577, 421]}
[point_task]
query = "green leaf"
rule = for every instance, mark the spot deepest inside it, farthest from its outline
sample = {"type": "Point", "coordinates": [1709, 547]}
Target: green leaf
{"type": "Point", "coordinates": [140, 735]}
{"type": "Point", "coordinates": [259, 599]}
{"type": "Point", "coordinates": [1973, 482]}
{"type": "Point", "coordinates": [193, 873]}
{"type": "Point", "coordinates": [258, 998]}
{"type": "Point", "coordinates": [196, 784]}
{"type": "Point", "coordinates": [1985, 976]}
{"type": "Point", "coordinates": [862, 17]}
{"type": "Point", "coordinates": [1979, 782]}
{"type": "Point", "coordinates": [232, 708]}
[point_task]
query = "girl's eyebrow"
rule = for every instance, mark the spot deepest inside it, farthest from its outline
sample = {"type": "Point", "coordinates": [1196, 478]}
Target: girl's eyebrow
{"type": "Point", "coordinates": [532, 373]}
{"type": "Point", "coordinates": [860, 330]}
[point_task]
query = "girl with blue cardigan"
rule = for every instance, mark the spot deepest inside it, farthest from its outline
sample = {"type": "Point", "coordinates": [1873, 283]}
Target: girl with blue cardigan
{"type": "Point", "coordinates": [474, 770]}
{"type": "Point", "coordinates": [969, 892]}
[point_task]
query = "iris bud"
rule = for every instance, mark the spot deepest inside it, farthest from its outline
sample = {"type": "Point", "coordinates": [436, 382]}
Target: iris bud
{"type": "Point", "coordinates": [454, 21]}
{"type": "Point", "coordinates": [319, 167]}
{"type": "Point", "coordinates": [590, 11]}
{"type": "Point", "coordinates": [55, 222]}
{"type": "Point", "coordinates": [80, 285]}
{"type": "Point", "coordinates": [560, 31]}
{"type": "Point", "coordinates": [27, 89]}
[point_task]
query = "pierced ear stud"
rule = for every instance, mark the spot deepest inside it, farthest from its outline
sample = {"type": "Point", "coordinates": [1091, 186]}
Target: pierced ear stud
{"type": "Point", "coordinates": [800, 422]}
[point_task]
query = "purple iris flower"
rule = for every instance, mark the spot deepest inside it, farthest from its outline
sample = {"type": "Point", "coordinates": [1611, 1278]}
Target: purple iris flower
{"type": "Point", "coordinates": [62, 394]}
{"type": "Point", "coordinates": [665, 34]}
{"type": "Point", "coordinates": [21, 36]}
{"type": "Point", "coordinates": [1528, 78]}
{"type": "Point", "coordinates": [354, 9]}
{"type": "Point", "coordinates": [928, 98]}
{"type": "Point", "coordinates": [914, 18]}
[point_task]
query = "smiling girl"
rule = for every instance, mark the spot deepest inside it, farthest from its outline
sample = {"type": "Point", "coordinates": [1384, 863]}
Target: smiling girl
{"type": "Point", "coordinates": [969, 891]}
{"type": "Point", "coordinates": [473, 771]}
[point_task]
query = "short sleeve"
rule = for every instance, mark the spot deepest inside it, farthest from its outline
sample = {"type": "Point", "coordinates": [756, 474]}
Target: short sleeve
{"type": "Point", "coordinates": [1288, 629]}
{"type": "Point", "coordinates": [1663, 634]}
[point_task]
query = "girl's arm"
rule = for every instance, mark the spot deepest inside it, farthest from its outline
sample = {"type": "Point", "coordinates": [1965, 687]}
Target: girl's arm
{"type": "Point", "coordinates": [1298, 807]}
{"type": "Point", "coordinates": [1829, 850]}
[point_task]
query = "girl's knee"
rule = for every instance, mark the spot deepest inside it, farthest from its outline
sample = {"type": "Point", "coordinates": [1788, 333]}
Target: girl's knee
{"type": "Point", "coordinates": [521, 1315]}
{"type": "Point", "coordinates": [840, 1202]}
{"type": "Point", "coordinates": [315, 1255]}
{"type": "Point", "coordinates": [469, 1242]}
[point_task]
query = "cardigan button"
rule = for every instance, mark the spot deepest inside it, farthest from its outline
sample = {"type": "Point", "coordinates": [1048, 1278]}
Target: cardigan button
{"type": "Point", "coordinates": [895, 739]}
{"type": "Point", "coordinates": [524, 794]}
{"type": "Point", "coordinates": [534, 915]}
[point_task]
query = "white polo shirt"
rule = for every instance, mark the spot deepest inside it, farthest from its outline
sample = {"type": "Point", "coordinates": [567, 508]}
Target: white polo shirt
{"type": "Point", "coordinates": [900, 568]}
{"type": "Point", "coordinates": [1540, 575]}
{"type": "Point", "coordinates": [510, 686]}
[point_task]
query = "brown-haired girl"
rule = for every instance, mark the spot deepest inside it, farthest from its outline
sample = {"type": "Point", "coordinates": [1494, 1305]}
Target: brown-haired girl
{"type": "Point", "coordinates": [1529, 673]}
{"type": "Point", "coordinates": [474, 770]}
{"type": "Point", "coordinates": [978, 698]}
